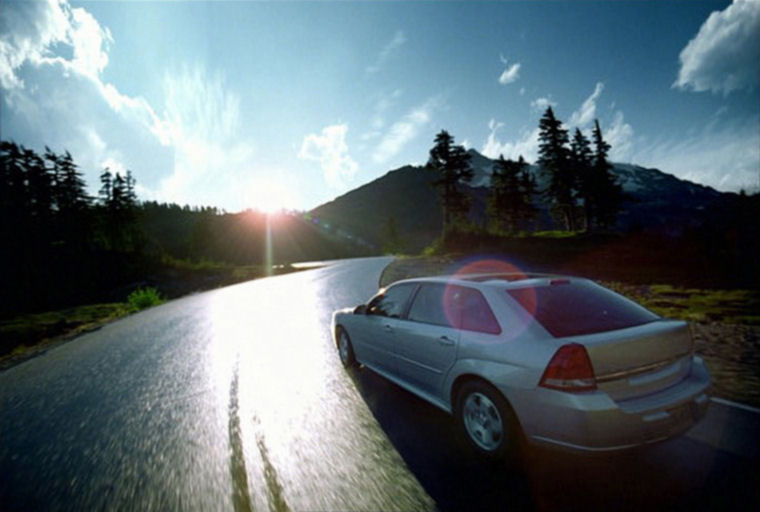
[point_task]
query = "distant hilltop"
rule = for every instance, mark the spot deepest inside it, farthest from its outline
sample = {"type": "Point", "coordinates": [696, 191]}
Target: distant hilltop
{"type": "Point", "coordinates": [403, 200]}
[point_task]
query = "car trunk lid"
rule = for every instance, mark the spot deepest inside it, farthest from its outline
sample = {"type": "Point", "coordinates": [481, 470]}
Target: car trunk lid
{"type": "Point", "coordinates": [639, 360]}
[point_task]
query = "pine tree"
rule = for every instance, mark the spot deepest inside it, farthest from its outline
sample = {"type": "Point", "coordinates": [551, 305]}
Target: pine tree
{"type": "Point", "coordinates": [131, 195]}
{"type": "Point", "coordinates": [581, 162]}
{"type": "Point", "coordinates": [119, 211]}
{"type": "Point", "coordinates": [70, 186]}
{"type": "Point", "coordinates": [607, 194]}
{"type": "Point", "coordinates": [529, 190]}
{"type": "Point", "coordinates": [510, 202]}
{"type": "Point", "coordinates": [554, 161]}
{"type": "Point", "coordinates": [106, 187]}
{"type": "Point", "coordinates": [71, 201]}
{"type": "Point", "coordinates": [452, 164]}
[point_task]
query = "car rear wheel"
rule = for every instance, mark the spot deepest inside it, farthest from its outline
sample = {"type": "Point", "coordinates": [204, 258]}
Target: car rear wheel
{"type": "Point", "coordinates": [345, 349]}
{"type": "Point", "coordinates": [486, 422]}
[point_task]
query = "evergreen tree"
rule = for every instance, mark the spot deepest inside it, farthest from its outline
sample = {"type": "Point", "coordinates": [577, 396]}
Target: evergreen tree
{"type": "Point", "coordinates": [510, 201]}
{"type": "Point", "coordinates": [39, 185]}
{"type": "Point", "coordinates": [71, 200]}
{"type": "Point", "coordinates": [71, 195]}
{"type": "Point", "coordinates": [106, 187]}
{"type": "Point", "coordinates": [130, 195]}
{"type": "Point", "coordinates": [606, 192]}
{"type": "Point", "coordinates": [529, 190]}
{"type": "Point", "coordinates": [554, 162]}
{"type": "Point", "coordinates": [581, 162]}
{"type": "Point", "coordinates": [13, 190]}
{"type": "Point", "coordinates": [452, 164]}
{"type": "Point", "coordinates": [119, 219]}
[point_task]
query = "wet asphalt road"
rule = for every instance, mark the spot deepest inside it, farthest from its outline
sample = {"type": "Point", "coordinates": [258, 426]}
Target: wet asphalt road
{"type": "Point", "coordinates": [235, 400]}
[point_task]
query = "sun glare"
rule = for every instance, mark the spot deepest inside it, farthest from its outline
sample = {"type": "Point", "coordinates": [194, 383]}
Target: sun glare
{"type": "Point", "coordinates": [269, 196]}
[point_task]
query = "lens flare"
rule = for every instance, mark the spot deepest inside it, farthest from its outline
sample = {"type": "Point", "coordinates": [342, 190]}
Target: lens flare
{"type": "Point", "coordinates": [498, 269]}
{"type": "Point", "coordinates": [490, 266]}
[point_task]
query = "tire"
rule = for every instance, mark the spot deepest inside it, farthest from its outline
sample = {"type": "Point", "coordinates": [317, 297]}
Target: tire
{"type": "Point", "coordinates": [486, 423]}
{"type": "Point", "coordinates": [345, 349]}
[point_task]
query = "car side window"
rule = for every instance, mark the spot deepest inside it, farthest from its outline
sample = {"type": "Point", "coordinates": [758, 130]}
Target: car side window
{"type": "Point", "coordinates": [476, 314]}
{"type": "Point", "coordinates": [429, 306]}
{"type": "Point", "coordinates": [393, 302]}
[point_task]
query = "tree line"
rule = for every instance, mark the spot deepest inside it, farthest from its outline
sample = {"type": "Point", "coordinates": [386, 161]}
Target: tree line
{"type": "Point", "coordinates": [579, 191]}
{"type": "Point", "coordinates": [61, 246]}
{"type": "Point", "coordinates": [56, 237]}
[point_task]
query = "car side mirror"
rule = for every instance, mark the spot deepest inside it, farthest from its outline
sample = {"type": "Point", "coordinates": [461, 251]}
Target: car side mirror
{"type": "Point", "coordinates": [361, 309]}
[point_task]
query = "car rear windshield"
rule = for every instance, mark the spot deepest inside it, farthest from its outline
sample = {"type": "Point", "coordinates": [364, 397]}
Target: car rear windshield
{"type": "Point", "coordinates": [571, 308]}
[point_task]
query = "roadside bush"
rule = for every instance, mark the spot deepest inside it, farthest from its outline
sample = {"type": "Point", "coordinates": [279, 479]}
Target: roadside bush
{"type": "Point", "coordinates": [144, 298]}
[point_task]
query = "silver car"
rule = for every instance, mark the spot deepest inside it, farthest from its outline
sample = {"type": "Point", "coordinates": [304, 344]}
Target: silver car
{"type": "Point", "coordinates": [537, 359]}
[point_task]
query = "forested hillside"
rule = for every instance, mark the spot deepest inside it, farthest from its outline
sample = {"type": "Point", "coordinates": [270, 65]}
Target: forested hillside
{"type": "Point", "coordinates": [62, 247]}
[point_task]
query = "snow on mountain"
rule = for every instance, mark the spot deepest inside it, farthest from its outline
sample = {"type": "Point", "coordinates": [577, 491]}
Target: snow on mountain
{"type": "Point", "coordinates": [637, 181]}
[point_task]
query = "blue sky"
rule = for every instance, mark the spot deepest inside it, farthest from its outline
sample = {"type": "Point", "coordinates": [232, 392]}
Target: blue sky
{"type": "Point", "coordinates": [290, 104]}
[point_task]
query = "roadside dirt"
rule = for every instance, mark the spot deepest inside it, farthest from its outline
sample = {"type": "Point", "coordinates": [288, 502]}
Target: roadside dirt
{"type": "Point", "coordinates": [732, 354]}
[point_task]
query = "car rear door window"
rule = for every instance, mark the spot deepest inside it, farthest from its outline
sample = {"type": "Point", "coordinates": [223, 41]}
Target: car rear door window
{"type": "Point", "coordinates": [428, 306]}
{"type": "Point", "coordinates": [453, 306]}
{"type": "Point", "coordinates": [393, 302]}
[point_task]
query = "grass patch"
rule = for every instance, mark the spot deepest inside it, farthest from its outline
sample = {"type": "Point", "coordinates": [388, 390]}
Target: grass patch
{"type": "Point", "coordinates": [696, 305]}
{"type": "Point", "coordinates": [143, 298]}
{"type": "Point", "coordinates": [19, 334]}
{"type": "Point", "coordinates": [554, 234]}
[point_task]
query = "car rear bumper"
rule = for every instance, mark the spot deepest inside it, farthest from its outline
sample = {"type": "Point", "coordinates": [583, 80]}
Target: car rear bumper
{"type": "Point", "coordinates": [594, 422]}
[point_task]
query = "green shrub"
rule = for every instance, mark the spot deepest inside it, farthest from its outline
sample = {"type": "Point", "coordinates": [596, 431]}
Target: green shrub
{"type": "Point", "coordinates": [144, 298]}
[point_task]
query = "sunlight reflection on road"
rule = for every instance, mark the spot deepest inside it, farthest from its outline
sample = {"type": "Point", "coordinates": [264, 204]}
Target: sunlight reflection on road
{"type": "Point", "coordinates": [309, 441]}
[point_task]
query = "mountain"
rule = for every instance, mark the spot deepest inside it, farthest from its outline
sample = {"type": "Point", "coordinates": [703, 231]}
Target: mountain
{"type": "Point", "coordinates": [657, 201]}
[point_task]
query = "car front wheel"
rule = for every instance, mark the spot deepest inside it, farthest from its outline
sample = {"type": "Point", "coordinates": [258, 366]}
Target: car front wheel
{"type": "Point", "coordinates": [486, 422]}
{"type": "Point", "coordinates": [345, 349]}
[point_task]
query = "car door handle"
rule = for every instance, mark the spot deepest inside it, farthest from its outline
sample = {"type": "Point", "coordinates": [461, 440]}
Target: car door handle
{"type": "Point", "coordinates": [387, 328]}
{"type": "Point", "coordinates": [445, 340]}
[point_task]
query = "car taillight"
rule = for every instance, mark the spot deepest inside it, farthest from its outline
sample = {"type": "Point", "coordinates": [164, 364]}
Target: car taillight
{"type": "Point", "coordinates": [569, 370]}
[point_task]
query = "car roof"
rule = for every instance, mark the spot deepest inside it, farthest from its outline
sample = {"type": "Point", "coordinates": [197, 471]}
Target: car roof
{"type": "Point", "coordinates": [500, 280]}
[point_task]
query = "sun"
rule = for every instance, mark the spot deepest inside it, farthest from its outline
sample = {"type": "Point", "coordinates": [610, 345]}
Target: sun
{"type": "Point", "coordinates": [269, 196]}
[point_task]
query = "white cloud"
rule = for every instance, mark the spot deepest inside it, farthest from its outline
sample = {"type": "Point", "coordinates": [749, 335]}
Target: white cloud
{"type": "Point", "coordinates": [587, 111]}
{"type": "Point", "coordinates": [541, 104]}
{"type": "Point", "coordinates": [510, 75]}
{"type": "Point", "coordinates": [67, 110]}
{"type": "Point", "coordinates": [32, 29]}
{"type": "Point", "coordinates": [726, 156]}
{"type": "Point", "coordinates": [67, 105]}
{"type": "Point", "coordinates": [331, 151]}
{"type": "Point", "coordinates": [723, 56]}
{"type": "Point", "coordinates": [201, 121]}
{"type": "Point", "coordinates": [403, 131]}
{"type": "Point", "coordinates": [620, 137]}
{"type": "Point", "coordinates": [393, 45]}
{"type": "Point", "coordinates": [90, 42]}
{"type": "Point", "coordinates": [383, 104]}
{"type": "Point", "coordinates": [494, 125]}
{"type": "Point", "coordinates": [28, 30]}
{"type": "Point", "coordinates": [526, 146]}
